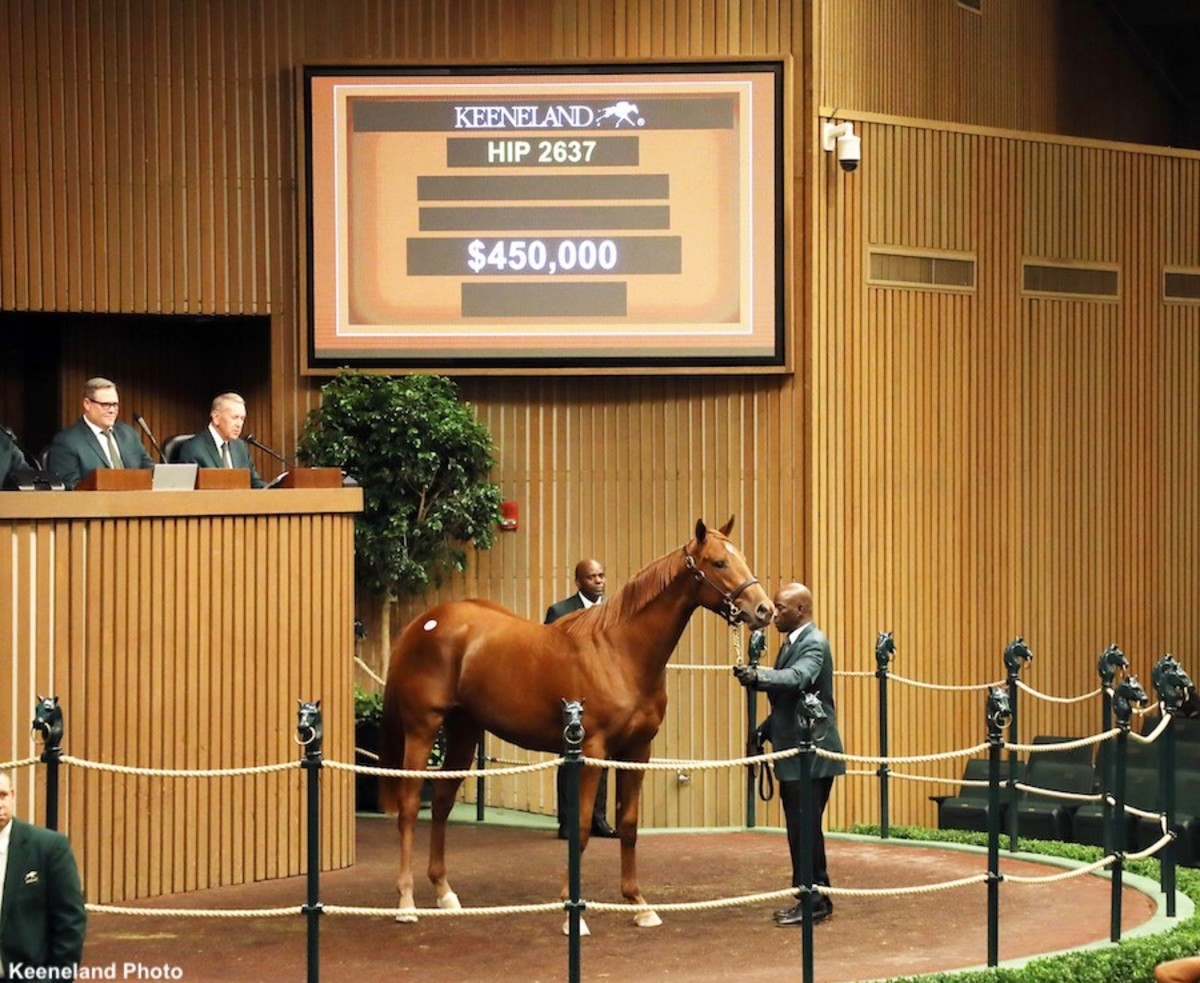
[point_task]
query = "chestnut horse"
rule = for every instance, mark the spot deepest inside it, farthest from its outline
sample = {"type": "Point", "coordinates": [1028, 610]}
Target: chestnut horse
{"type": "Point", "coordinates": [470, 666]}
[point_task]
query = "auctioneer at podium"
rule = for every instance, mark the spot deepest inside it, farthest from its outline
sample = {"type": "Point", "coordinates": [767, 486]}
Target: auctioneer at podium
{"type": "Point", "coordinates": [96, 439]}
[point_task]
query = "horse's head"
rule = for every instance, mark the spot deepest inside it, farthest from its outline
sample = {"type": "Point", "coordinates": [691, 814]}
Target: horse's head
{"type": "Point", "coordinates": [999, 710]}
{"type": "Point", "coordinates": [725, 583]}
{"type": "Point", "coordinates": [310, 730]}
{"type": "Point", "coordinates": [885, 648]}
{"type": "Point", "coordinates": [1111, 659]}
{"type": "Point", "coordinates": [48, 719]}
{"type": "Point", "coordinates": [1015, 653]}
{"type": "Point", "coordinates": [1171, 682]}
{"type": "Point", "coordinates": [1125, 696]}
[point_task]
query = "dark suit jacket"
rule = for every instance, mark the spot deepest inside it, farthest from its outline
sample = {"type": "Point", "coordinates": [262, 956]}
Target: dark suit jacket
{"type": "Point", "coordinates": [75, 452]}
{"type": "Point", "coordinates": [202, 449]}
{"type": "Point", "coordinates": [806, 665]}
{"type": "Point", "coordinates": [11, 458]}
{"type": "Point", "coordinates": [556, 611]}
{"type": "Point", "coordinates": [43, 914]}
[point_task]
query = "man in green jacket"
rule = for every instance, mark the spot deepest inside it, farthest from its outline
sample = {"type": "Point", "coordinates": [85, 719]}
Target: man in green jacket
{"type": "Point", "coordinates": [42, 917]}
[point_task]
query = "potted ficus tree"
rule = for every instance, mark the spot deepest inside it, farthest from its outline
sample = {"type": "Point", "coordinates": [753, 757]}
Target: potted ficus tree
{"type": "Point", "coordinates": [423, 461]}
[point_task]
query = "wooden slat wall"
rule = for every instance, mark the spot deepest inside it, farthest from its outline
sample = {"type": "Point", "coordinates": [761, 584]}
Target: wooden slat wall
{"type": "Point", "coordinates": [910, 470]}
{"type": "Point", "coordinates": [168, 650]}
{"type": "Point", "coordinates": [998, 464]}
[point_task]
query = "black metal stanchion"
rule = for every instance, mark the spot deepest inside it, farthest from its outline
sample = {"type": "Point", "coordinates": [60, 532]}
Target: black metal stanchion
{"type": "Point", "coordinates": [758, 642]}
{"type": "Point", "coordinates": [48, 720]}
{"type": "Point", "coordinates": [310, 734]}
{"type": "Point", "coordinates": [1173, 686]}
{"type": "Point", "coordinates": [810, 709]}
{"type": "Point", "coordinates": [573, 751]}
{"type": "Point", "coordinates": [1015, 654]}
{"type": "Point", "coordinates": [1125, 696]}
{"type": "Point", "coordinates": [1111, 659]}
{"type": "Point", "coordinates": [999, 715]}
{"type": "Point", "coordinates": [884, 648]}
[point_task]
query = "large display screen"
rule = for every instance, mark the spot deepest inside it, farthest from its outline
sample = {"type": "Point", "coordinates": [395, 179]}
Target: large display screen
{"type": "Point", "coordinates": [546, 217]}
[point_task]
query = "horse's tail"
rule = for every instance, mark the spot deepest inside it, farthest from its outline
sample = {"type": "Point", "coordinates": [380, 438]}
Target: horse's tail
{"type": "Point", "coordinates": [391, 751]}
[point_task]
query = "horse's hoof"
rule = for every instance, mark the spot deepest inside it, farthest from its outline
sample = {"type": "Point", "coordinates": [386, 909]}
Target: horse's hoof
{"type": "Point", "coordinates": [647, 919]}
{"type": "Point", "coordinates": [583, 929]}
{"type": "Point", "coordinates": [449, 900]}
{"type": "Point", "coordinates": [407, 917]}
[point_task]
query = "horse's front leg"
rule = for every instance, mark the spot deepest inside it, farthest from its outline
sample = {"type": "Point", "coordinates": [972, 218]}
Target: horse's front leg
{"type": "Point", "coordinates": [629, 795]}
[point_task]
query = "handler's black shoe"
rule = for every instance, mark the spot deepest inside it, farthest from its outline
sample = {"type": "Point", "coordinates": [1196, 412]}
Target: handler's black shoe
{"type": "Point", "coordinates": [601, 828]}
{"type": "Point", "coordinates": [795, 916]}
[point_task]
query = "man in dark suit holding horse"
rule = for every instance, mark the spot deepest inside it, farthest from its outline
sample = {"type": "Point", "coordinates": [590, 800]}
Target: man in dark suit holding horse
{"type": "Point", "coordinates": [804, 665]}
{"type": "Point", "coordinates": [96, 440]}
{"type": "Point", "coordinates": [42, 916]}
{"type": "Point", "coordinates": [589, 578]}
{"type": "Point", "coordinates": [219, 445]}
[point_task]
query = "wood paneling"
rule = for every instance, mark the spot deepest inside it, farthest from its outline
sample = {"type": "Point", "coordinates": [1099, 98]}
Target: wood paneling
{"type": "Point", "coordinates": [168, 650]}
{"type": "Point", "coordinates": [956, 468]}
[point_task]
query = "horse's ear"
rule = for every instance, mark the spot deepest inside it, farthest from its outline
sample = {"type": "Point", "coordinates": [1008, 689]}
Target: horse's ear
{"type": "Point", "coordinates": [725, 529]}
{"type": "Point", "coordinates": [701, 530]}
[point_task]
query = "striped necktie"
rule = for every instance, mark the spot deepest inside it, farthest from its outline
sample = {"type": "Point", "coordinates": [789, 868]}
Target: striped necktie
{"type": "Point", "coordinates": [226, 461]}
{"type": "Point", "coordinates": [114, 455]}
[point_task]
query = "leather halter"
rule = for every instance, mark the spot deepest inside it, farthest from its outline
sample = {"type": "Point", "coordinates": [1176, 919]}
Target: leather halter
{"type": "Point", "coordinates": [731, 614]}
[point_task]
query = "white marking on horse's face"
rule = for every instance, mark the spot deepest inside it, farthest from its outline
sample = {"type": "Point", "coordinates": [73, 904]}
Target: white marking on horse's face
{"type": "Point", "coordinates": [430, 624]}
{"type": "Point", "coordinates": [730, 548]}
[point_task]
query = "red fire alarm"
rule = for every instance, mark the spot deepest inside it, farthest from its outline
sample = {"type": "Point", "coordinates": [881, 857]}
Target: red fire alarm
{"type": "Point", "coordinates": [508, 517]}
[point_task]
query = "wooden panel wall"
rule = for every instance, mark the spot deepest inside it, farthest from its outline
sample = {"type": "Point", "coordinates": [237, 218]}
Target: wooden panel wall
{"type": "Point", "coordinates": [997, 464]}
{"type": "Point", "coordinates": [1045, 67]}
{"type": "Point", "coordinates": [180, 643]}
{"type": "Point", "coordinates": [908, 470]}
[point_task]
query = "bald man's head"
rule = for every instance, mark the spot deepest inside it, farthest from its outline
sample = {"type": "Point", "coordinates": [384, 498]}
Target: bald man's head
{"type": "Point", "coordinates": [589, 578]}
{"type": "Point", "coordinates": [793, 607]}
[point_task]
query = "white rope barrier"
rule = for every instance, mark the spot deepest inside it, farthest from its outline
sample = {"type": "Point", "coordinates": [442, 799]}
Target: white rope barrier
{"type": "Point", "coordinates": [904, 758]}
{"type": "Point", "coordinates": [1154, 735]}
{"type": "Point", "coordinates": [895, 892]}
{"type": "Point", "coordinates": [1066, 745]}
{"type": "Point", "coordinates": [1064, 876]}
{"type": "Point", "coordinates": [1059, 699]}
{"type": "Point", "coordinates": [515, 909]}
{"type": "Point", "coordinates": [181, 772]}
{"type": "Point", "coordinates": [112, 909]}
{"type": "Point", "coordinates": [19, 763]}
{"type": "Point", "coordinates": [946, 686]}
{"type": "Point", "coordinates": [369, 671]}
{"type": "Point", "coordinates": [1051, 793]}
{"type": "Point", "coordinates": [459, 773]}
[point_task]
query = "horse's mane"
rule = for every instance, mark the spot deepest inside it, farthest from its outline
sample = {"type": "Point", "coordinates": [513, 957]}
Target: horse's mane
{"type": "Point", "coordinates": [647, 584]}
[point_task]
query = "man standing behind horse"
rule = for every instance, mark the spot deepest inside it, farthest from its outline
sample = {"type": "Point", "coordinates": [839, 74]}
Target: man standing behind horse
{"type": "Point", "coordinates": [589, 578]}
{"type": "Point", "coordinates": [804, 665]}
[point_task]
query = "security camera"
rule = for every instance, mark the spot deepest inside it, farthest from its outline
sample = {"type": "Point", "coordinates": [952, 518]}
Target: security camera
{"type": "Point", "coordinates": [849, 151]}
{"type": "Point", "coordinates": [841, 137]}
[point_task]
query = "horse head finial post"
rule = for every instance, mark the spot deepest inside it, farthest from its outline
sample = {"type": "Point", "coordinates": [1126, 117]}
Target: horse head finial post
{"type": "Point", "coordinates": [998, 711]}
{"type": "Point", "coordinates": [758, 642]}
{"type": "Point", "coordinates": [48, 721]}
{"type": "Point", "coordinates": [1111, 659]}
{"type": "Point", "coordinates": [1171, 683]}
{"type": "Point", "coordinates": [1127, 693]}
{"type": "Point", "coordinates": [310, 728]}
{"type": "Point", "coordinates": [1016, 653]}
{"type": "Point", "coordinates": [885, 648]}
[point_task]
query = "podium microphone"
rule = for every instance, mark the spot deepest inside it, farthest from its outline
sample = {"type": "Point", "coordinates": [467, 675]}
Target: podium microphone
{"type": "Point", "coordinates": [141, 422]}
{"type": "Point", "coordinates": [249, 439]}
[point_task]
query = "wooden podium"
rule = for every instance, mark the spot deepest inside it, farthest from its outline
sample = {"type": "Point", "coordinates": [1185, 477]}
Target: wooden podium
{"type": "Point", "coordinates": [309, 478]}
{"type": "Point", "coordinates": [117, 479]}
{"type": "Point", "coordinates": [222, 479]}
{"type": "Point", "coordinates": [178, 630]}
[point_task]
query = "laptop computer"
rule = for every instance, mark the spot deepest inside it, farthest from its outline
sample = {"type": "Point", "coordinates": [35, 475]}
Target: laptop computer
{"type": "Point", "coordinates": [174, 477]}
